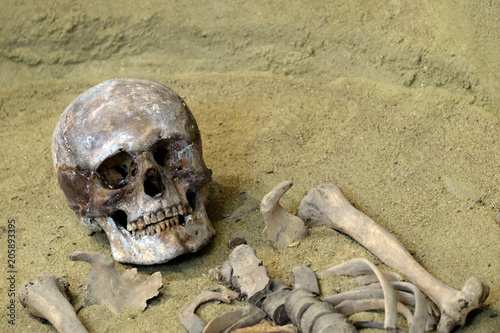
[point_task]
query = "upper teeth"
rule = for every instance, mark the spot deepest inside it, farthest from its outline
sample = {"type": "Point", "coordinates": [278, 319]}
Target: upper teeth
{"type": "Point", "coordinates": [145, 222]}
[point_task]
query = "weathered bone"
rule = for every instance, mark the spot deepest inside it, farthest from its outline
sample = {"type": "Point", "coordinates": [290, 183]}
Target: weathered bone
{"type": "Point", "coordinates": [327, 206]}
{"type": "Point", "coordinates": [274, 303]}
{"type": "Point", "coordinates": [282, 228]}
{"type": "Point", "coordinates": [307, 312]}
{"type": "Point", "coordinates": [372, 278]}
{"type": "Point", "coordinates": [350, 307]}
{"type": "Point", "coordinates": [358, 266]}
{"type": "Point", "coordinates": [245, 272]}
{"type": "Point", "coordinates": [245, 316]}
{"type": "Point", "coordinates": [188, 317]}
{"type": "Point", "coordinates": [46, 298]}
{"type": "Point", "coordinates": [305, 278]}
{"type": "Point", "coordinates": [108, 288]}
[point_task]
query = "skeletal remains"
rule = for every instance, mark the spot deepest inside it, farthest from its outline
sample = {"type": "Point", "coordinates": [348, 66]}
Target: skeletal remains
{"type": "Point", "coordinates": [128, 157]}
{"type": "Point", "coordinates": [47, 296]}
{"type": "Point", "coordinates": [326, 206]}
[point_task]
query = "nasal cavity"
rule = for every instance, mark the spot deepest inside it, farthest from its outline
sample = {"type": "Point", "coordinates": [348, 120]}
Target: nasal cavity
{"type": "Point", "coordinates": [153, 184]}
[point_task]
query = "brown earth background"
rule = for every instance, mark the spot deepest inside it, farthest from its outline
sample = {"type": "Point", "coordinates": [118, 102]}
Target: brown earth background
{"type": "Point", "coordinates": [395, 101]}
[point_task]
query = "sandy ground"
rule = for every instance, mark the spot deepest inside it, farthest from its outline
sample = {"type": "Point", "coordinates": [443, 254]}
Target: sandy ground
{"type": "Point", "coordinates": [395, 101]}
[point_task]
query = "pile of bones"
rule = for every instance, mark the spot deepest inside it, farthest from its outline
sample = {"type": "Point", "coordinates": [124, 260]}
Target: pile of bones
{"type": "Point", "coordinates": [128, 157]}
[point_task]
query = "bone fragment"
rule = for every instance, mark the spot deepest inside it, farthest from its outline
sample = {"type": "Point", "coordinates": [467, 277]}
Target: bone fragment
{"type": "Point", "coordinates": [245, 272]}
{"type": "Point", "coordinates": [327, 206]}
{"type": "Point", "coordinates": [274, 303]}
{"type": "Point", "coordinates": [245, 316]}
{"type": "Point", "coordinates": [350, 307]}
{"type": "Point", "coordinates": [354, 267]}
{"type": "Point", "coordinates": [116, 292]}
{"type": "Point", "coordinates": [187, 315]}
{"type": "Point", "coordinates": [268, 328]}
{"type": "Point", "coordinates": [332, 322]}
{"type": "Point", "coordinates": [282, 228]}
{"type": "Point", "coordinates": [298, 308]}
{"type": "Point", "coordinates": [305, 278]}
{"type": "Point", "coordinates": [45, 297]}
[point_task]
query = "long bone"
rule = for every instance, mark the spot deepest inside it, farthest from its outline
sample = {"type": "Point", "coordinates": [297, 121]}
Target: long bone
{"type": "Point", "coordinates": [327, 206]}
{"type": "Point", "coordinates": [45, 297]}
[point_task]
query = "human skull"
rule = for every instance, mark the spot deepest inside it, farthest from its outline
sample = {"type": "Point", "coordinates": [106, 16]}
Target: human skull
{"type": "Point", "coordinates": [128, 157]}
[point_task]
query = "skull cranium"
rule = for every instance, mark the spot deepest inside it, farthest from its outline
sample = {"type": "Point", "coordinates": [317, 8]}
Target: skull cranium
{"type": "Point", "coordinates": [128, 157]}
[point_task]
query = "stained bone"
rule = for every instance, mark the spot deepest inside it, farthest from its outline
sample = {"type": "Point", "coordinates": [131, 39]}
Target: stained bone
{"type": "Point", "coordinates": [327, 206]}
{"type": "Point", "coordinates": [282, 228]}
{"type": "Point", "coordinates": [354, 267]}
{"type": "Point", "coordinates": [245, 272]}
{"type": "Point", "coordinates": [45, 297]}
{"type": "Point", "coordinates": [127, 154]}
{"type": "Point", "coordinates": [187, 315]}
{"type": "Point", "coordinates": [305, 278]}
{"type": "Point", "coordinates": [116, 292]}
{"type": "Point", "coordinates": [245, 316]}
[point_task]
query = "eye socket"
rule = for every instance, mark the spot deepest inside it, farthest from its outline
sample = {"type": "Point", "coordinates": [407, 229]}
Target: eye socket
{"type": "Point", "coordinates": [172, 154]}
{"type": "Point", "coordinates": [116, 170]}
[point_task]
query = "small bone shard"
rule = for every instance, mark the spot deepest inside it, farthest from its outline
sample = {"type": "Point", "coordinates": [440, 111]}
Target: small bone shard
{"type": "Point", "coordinates": [245, 272]}
{"type": "Point", "coordinates": [327, 206]}
{"type": "Point", "coordinates": [282, 228]}
{"type": "Point", "coordinates": [106, 287]}
{"type": "Point", "coordinates": [46, 298]}
{"type": "Point", "coordinates": [188, 317]}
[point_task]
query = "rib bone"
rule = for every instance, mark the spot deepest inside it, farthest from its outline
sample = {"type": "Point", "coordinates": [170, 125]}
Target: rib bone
{"type": "Point", "coordinates": [327, 206]}
{"type": "Point", "coordinates": [354, 267]}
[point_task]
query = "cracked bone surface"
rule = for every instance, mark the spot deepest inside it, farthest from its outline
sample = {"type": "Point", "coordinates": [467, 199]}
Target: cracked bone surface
{"type": "Point", "coordinates": [282, 228]}
{"type": "Point", "coordinates": [106, 287]}
{"type": "Point", "coordinates": [45, 297]}
{"type": "Point", "coordinates": [327, 206]}
{"type": "Point", "coordinates": [128, 157]}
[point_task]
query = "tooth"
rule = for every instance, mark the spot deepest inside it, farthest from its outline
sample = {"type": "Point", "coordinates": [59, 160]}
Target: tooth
{"type": "Point", "coordinates": [162, 226]}
{"type": "Point", "coordinates": [154, 218]}
{"type": "Point", "coordinates": [174, 211]}
{"type": "Point", "coordinates": [190, 209]}
{"type": "Point", "coordinates": [147, 219]}
{"type": "Point", "coordinates": [140, 223]}
{"type": "Point", "coordinates": [180, 210]}
{"type": "Point", "coordinates": [157, 228]}
{"type": "Point", "coordinates": [160, 215]}
{"type": "Point", "coordinates": [129, 227]}
{"type": "Point", "coordinates": [134, 226]}
{"type": "Point", "coordinates": [168, 212]}
{"type": "Point", "coordinates": [176, 220]}
{"type": "Point", "coordinates": [140, 233]}
{"type": "Point", "coordinates": [150, 230]}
